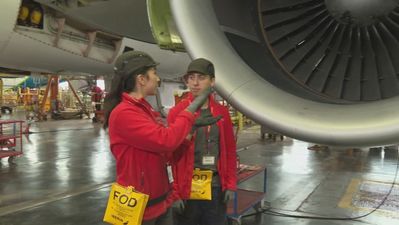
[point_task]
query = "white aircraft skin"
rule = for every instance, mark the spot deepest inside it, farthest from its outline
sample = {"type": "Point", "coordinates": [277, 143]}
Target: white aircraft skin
{"type": "Point", "coordinates": [31, 49]}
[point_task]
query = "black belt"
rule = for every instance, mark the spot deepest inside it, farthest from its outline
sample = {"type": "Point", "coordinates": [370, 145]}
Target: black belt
{"type": "Point", "coordinates": [157, 200]}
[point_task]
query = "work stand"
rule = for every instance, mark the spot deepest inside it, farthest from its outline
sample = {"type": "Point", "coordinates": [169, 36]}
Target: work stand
{"type": "Point", "coordinates": [244, 200]}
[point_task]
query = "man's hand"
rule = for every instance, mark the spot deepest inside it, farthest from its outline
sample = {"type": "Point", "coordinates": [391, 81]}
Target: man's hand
{"type": "Point", "coordinates": [178, 206]}
{"type": "Point", "coordinates": [206, 121]}
{"type": "Point", "coordinates": [228, 195]}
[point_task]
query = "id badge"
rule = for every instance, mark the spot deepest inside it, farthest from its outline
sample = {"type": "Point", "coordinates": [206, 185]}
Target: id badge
{"type": "Point", "coordinates": [170, 174]}
{"type": "Point", "coordinates": [208, 160]}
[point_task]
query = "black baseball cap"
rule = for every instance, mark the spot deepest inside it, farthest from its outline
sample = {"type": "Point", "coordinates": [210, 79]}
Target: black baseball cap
{"type": "Point", "coordinates": [201, 65]}
{"type": "Point", "coordinates": [131, 61]}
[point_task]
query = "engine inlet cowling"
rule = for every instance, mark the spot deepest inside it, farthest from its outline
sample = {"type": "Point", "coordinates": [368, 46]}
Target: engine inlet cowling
{"type": "Point", "coordinates": [295, 67]}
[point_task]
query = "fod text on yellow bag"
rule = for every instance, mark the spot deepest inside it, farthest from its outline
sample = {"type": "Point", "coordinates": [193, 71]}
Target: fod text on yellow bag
{"type": "Point", "coordinates": [201, 185]}
{"type": "Point", "coordinates": [125, 206]}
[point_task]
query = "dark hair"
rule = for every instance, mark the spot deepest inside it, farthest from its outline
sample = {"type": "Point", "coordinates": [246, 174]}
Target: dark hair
{"type": "Point", "coordinates": [120, 83]}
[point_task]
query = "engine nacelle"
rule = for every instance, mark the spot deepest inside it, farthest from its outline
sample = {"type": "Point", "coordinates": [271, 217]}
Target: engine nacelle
{"type": "Point", "coordinates": [299, 69]}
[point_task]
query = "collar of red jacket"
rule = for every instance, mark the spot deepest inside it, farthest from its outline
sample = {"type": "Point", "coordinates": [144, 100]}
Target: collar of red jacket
{"type": "Point", "coordinates": [141, 102]}
{"type": "Point", "coordinates": [135, 101]}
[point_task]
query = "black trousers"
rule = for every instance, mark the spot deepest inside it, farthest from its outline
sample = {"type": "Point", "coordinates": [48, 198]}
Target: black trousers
{"type": "Point", "coordinates": [164, 219]}
{"type": "Point", "coordinates": [200, 212]}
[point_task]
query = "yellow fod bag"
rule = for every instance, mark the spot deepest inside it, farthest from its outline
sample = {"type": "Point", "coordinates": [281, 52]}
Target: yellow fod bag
{"type": "Point", "coordinates": [201, 185]}
{"type": "Point", "coordinates": [125, 206]}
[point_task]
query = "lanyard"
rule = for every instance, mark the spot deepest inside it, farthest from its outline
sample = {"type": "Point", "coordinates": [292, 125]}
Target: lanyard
{"type": "Point", "coordinates": [207, 131]}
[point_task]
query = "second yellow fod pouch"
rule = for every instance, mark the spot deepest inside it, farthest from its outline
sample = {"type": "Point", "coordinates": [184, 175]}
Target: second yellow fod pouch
{"type": "Point", "coordinates": [201, 186]}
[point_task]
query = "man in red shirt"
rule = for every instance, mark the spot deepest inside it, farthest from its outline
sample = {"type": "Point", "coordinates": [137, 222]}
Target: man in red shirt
{"type": "Point", "coordinates": [212, 147]}
{"type": "Point", "coordinates": [96, 96]}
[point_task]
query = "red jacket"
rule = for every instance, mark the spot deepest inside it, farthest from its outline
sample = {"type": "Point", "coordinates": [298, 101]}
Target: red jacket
{"type": "Point", "coordinates": [184, 156]}
{"type": "Point", "coordinates": [140, 143]}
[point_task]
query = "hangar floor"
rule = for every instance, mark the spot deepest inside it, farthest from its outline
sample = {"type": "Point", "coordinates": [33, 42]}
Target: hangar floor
{"type": "Point", "coordinates": [65, 173]}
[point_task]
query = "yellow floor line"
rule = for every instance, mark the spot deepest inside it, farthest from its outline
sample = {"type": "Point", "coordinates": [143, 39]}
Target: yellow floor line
{"type": "Point", "coordinates": [353, 188]}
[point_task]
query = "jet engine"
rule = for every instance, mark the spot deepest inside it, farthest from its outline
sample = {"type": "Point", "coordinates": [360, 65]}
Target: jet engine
{"type": "Point", "coordinates": [324, 71]}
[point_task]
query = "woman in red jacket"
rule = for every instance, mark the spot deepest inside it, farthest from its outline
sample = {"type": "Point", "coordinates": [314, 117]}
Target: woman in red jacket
{"type": "Point", "coordinates": [139, 140]}
{"type": "Point", "coordinates": [212, 148]}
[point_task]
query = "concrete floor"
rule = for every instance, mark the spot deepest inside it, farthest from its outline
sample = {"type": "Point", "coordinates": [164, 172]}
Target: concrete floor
{"type": "Point", "coordinates": [66, 170]}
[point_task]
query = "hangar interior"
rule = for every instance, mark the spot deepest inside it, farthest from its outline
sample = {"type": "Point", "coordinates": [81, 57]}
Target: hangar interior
{"type": "Point", "coordinates": [311, 87]}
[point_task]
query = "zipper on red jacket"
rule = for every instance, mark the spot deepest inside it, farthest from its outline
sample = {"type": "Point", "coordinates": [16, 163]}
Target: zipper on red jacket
{"type": "Point", "coordinates": [144, 107]}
